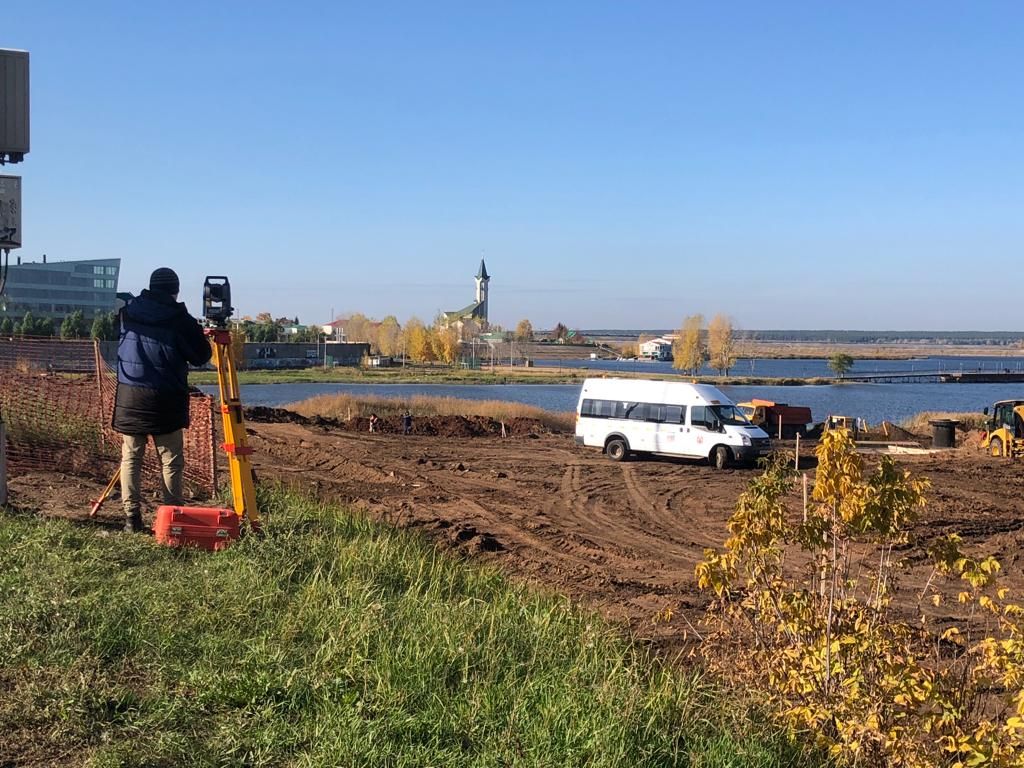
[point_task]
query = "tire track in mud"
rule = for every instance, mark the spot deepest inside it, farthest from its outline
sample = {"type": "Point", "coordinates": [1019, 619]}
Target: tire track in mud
{"type": "Point", "coordinates": [580, 504]}
{"type": "Point", "coordinates": [586, 528]}
{"type": "Point", "coordinates": [679, 497]}
{"type": "Point", "coordinates": [670, 549]}
{"type": "Point", "coordinates": [656, 506]}
{"type": "Point", "coordinates": [477, 497]}
{"type": "Point", "coordinates": [604, 522]}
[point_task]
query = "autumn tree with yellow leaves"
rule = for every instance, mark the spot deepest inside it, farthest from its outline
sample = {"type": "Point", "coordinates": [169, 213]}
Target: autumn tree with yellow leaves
{"type": "Point", "coordinates": [818, 637]}
{"type": "Point", "coordinates": [524, 331]}
{"type": "Point", "coordinates": [389, 336]}
{"type": "Point", "coordinates": [417, 341]}
{"type": "Point", "coordinates": [721, 344]}
{"type": "Point", "coordinates": [445, 342]}
{"type": "Point", "coordinates": [688, 351]}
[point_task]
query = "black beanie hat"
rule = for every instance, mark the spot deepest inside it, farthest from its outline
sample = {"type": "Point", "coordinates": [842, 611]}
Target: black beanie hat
{"type": "Point", "coordinates": [164, 280]}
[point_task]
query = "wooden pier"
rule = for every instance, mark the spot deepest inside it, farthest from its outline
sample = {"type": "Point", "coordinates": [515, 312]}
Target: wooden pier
{"type": "Point", "coordinates": [978, 376]}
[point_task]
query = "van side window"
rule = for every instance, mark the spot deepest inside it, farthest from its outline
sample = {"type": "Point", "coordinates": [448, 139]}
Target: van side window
{"type": "Point", "coordinates": [636, 411]}
{"type": "Point", "coordinates": [675, 414]}
{"type": "Point", "coordinates": [617, 409]}
{"type": "Point", "coordinates": [699, 417]}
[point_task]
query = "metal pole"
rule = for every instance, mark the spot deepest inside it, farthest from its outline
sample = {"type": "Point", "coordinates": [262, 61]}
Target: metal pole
{"type": "Point", "coordinates": [3, 464]}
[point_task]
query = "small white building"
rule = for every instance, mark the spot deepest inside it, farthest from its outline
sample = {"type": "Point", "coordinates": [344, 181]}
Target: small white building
{"type": "Point", "coordinates": [657, 349]}
{"type": "Point", "coordinates": [335, 329]}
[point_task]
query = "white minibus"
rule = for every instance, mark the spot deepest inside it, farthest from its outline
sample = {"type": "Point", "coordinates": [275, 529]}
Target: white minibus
{"type": "Point", "coordinates": [629, 416]}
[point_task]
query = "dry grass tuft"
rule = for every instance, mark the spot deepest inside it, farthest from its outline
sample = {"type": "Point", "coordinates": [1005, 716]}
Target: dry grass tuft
{"type": "Point", "coordinates": [918, 423]}
{"type": "Point", "coordinates": [345, 406]}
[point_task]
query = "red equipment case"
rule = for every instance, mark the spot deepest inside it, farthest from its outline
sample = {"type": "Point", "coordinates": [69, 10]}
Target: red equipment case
{"type": "Point", "coordinates": [212, 528]}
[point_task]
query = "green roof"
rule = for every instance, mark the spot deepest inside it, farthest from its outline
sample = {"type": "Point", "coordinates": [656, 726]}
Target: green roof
{"type": "Point", "coordinates": [472, 310]}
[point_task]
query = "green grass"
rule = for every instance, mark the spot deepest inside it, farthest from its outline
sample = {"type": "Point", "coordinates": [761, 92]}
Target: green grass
{"type": "Point", "coordinates": [332, 641]}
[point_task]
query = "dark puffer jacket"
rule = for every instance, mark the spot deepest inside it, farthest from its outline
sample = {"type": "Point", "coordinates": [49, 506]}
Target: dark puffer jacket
{"type": "Point", "coordinates": [158, 339]}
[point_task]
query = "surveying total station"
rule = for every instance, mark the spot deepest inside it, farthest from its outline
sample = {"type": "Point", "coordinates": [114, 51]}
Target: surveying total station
{"type": "Point", "coordinates": [213, 527]}
{"type": "Point", "coordinates": [216, 311]}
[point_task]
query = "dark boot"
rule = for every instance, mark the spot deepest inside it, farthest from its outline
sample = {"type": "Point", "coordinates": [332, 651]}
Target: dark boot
{"type": "Point", "coordinates": [133, 523]}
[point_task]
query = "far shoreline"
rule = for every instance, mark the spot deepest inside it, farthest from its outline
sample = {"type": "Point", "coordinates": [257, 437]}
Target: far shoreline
{"type": "Point", "coordinates": [551, 373]}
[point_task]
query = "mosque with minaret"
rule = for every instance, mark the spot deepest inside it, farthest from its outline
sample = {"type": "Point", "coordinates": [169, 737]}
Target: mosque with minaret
{"type": "Point", "coordinates": [477, 311]}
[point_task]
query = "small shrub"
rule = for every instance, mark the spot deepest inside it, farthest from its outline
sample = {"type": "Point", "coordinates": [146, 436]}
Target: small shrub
{"type": "Point", "coordinates": [832, 659]}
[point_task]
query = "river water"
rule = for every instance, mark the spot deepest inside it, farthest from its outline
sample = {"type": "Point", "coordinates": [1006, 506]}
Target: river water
{"type": "Point", "coordinates": [874, 402]}
{"type": "Point", "coordinates": [803, 368]}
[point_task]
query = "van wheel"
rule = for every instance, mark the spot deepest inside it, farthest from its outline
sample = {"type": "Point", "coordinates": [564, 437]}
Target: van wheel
{"type": "Point", "coordinates": [720, 457]}
{"type": "Point", "coordinates": [995, 447]}
{"type": "Point", "coordinates": [616, 449]}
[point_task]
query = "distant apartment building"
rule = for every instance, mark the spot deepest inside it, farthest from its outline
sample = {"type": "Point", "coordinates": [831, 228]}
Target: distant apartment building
{"type": "Point", "coordinates": [56, 289]}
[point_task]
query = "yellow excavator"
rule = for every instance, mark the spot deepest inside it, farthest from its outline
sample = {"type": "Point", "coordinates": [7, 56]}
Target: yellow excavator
{"type": "Point", "coordinates": [1004, 432]}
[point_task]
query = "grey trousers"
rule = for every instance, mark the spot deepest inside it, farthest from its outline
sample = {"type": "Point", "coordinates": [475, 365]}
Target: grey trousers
{"type": "Point", "coordinates": [170, 450]}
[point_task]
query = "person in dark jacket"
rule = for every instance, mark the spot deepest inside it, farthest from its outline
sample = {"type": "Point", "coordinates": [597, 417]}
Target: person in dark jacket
{"type": "Point", "coordinates": [158, 340]}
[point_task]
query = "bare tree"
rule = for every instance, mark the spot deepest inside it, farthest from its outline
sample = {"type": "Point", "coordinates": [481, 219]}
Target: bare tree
{"type": "Point", "coordinates": [357, 327]}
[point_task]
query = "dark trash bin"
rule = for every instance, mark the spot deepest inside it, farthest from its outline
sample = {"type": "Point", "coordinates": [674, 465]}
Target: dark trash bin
{"type": "Point", "coordinates": [943, 433]}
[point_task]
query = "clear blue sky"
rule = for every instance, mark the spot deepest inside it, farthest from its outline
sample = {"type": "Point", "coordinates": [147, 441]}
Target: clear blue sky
{"type": "Point", "coordinates": [618, 164]}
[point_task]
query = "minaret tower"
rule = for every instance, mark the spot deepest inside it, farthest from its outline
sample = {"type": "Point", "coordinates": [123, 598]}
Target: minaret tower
{"type": "Point", "coordinates": [482, 279]}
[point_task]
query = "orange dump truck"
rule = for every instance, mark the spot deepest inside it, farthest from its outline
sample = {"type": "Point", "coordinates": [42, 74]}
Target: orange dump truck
{"type": "Point", "coordinates": [767, 414]}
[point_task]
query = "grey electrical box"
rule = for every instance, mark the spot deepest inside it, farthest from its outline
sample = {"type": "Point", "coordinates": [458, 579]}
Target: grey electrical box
{"type": "Point", "coordinates": [14, 121]}
{"type": "Point", "coordinates": [10, 211]}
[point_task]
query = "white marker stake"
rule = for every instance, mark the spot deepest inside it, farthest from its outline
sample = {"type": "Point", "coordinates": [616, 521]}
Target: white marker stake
{"type": "Point", "coordinates": [804, 476]}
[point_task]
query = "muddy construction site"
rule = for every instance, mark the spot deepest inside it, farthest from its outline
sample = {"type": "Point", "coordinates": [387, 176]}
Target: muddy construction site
{"type": "Point", "coordinates": [620, 537]}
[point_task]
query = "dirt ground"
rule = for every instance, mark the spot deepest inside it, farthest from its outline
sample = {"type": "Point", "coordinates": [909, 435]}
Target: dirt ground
{"type": "Point", "coordinates": [622, 538]}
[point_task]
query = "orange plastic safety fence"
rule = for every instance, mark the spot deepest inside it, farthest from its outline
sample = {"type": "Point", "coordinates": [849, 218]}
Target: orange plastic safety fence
{"type": "Point", "coordinates": [57, 401]}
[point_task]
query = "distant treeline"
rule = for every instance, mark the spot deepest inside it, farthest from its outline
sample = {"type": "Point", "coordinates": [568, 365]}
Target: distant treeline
{"type": "Point", "coordinates": [993, 338]}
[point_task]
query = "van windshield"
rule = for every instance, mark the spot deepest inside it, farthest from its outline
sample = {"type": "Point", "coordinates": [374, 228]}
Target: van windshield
{"type": "Point", "coordinates": [730, 414]}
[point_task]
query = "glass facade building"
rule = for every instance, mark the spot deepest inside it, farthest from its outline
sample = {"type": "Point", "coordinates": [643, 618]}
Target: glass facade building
{"type": "Point", "coordinates": [58, 288]}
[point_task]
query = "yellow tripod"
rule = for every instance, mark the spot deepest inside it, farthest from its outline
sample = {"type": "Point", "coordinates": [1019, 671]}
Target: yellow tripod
{"type": "Point", "coordinates": [243, 485]}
